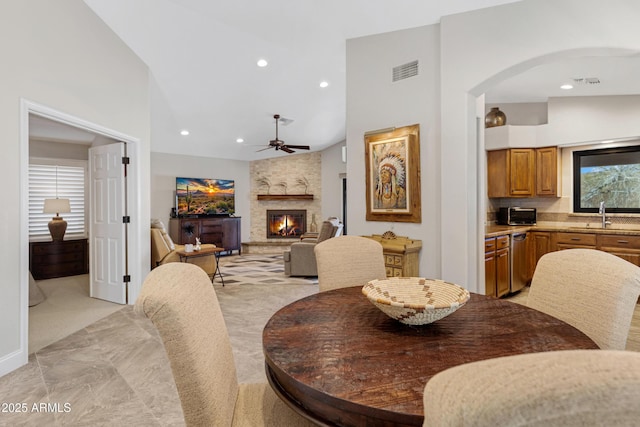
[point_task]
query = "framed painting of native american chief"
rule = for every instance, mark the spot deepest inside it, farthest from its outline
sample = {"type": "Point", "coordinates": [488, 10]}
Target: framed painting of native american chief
{"type": "Point", "coordinates": [393, 175]}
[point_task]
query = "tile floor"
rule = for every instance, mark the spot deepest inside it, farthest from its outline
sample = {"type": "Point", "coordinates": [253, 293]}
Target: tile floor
{"type": "Point", "coordinates": [115, 371]}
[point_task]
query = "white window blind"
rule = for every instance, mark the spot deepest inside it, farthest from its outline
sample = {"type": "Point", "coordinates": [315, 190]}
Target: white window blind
{"type": "Point", "coordinates": [70, 185]}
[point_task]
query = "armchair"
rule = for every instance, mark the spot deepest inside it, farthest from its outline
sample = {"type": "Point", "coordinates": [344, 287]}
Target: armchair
{"type": "Point", "coordinates": [163, 250]}
{"type": "Point", "coordinates": [300, 260]}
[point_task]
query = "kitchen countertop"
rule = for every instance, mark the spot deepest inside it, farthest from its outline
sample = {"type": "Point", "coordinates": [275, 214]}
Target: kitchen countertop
{"type": "Point", "coordinates": [501, 230]}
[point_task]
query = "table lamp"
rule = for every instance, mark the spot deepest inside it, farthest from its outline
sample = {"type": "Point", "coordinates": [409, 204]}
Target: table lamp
{"type": "Point", "coordinates": [57, 225]}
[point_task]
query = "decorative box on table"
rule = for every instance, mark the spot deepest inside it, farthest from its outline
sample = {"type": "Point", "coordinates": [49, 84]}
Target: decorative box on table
{"type": "Point", "coordinates": [401, 254]}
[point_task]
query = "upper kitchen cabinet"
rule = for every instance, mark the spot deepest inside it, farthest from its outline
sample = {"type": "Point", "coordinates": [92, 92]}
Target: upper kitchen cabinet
{"type": "Point", "coordinates": [523, 172]}
{"type": "Point", "coordinates": [547, 171]}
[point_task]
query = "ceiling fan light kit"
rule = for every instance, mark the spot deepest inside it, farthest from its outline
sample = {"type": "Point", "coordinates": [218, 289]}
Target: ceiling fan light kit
{"type": "Point", "coordinates": [278, 144]}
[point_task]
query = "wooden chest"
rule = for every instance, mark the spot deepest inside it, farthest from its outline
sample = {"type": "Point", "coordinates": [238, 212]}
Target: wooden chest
{"type": "Point", "coordinates": [58, 259]}
{"type": "Point", "coordinates": [401, 254]}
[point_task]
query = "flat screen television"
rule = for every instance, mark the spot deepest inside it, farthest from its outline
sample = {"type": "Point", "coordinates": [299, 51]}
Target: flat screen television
{"type": "Point", "coordinates": [205, 197]}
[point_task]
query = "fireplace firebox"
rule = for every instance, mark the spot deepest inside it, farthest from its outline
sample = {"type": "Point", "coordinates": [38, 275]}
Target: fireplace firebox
{"type": "Point", "coordinates": [286, 223]}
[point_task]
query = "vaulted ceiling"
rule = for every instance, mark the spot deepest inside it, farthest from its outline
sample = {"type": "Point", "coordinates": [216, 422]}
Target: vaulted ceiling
{"type": "Point", "coordinates": [203, 53]}
{"type": "Point", "coordinates": [202, 56]}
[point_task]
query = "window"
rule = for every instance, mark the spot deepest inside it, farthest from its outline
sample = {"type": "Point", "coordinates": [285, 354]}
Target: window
{"type": "Point", "coordinates": [70, 185]}
{"type": "Point", "coordinates": [611, 176]}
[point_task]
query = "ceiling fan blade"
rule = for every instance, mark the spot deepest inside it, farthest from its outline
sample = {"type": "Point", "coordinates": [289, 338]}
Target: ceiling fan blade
{"type": "Point", "coordinates": [286, 149]}
{"type": "Point", "coordinates": [299, 147]}
{"type": "Point", "coordinates": [265, 148]}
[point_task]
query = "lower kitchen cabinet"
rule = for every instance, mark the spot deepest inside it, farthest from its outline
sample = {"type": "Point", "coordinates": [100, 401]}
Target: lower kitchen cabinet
{"type": "Point", "coordinates": [496, 265]}
{"type": "Point", "coordinates": [625, 247]}
{"type": "Point", "coordinates": [575, 240]}
{"type": "Point", "coordinates": [539, 245]}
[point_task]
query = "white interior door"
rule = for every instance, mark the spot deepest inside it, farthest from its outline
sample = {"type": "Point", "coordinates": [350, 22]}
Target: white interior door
{"type": "Point", "coordinates": [107, 228]}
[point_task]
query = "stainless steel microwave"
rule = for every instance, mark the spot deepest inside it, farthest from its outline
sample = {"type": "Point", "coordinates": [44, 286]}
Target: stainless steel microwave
{"type": "Point", "coordinates": [517, 216]}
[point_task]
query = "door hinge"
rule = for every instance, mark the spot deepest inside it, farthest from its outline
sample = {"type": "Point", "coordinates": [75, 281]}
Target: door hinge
{"type": "Point", "coordinates": [126, 278]}
{"type": "Point", "coordinates": [125, 160]}
{"type": "Point", "coordinates": [126, 219]}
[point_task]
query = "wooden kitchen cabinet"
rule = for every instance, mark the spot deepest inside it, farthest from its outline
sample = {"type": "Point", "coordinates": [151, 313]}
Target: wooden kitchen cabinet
{"type": "Point", "coordinates": [574, 240]}
{"type": "Point", "coordinates": [222, 232]}
{"type": "Point", "coordinates": [496, 265]}
{"type": "Point", "coordinates": [523, 172]}
{"type": "Point", "coordinates": [547, 171]}
{"type": "Point", "coordinates": [625, 247]}
{"type": "Point", "coordinates": [511, 172]}
{"type": "Point", "coordinates": [539, 244]}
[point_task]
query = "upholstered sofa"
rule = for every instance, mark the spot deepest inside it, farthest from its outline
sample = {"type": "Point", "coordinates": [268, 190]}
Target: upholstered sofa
{"type": "Point", "coordinates": [163, 250]}
{"type": "Point", "coordinates": [300, 260]}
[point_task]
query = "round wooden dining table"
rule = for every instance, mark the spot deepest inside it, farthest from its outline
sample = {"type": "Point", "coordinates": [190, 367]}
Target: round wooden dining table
{"type": "Point", "coordinates": [339, 361]}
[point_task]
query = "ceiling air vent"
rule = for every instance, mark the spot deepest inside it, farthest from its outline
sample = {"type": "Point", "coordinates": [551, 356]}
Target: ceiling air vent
{"type": "Point", "coordinates": [587, 81]}
{"type": "Point", "coordinates": [405, 71]}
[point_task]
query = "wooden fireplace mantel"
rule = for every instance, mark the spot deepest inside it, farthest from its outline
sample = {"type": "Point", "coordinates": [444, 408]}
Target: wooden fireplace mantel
{"type": "Point", "coordinates": [285, 196]}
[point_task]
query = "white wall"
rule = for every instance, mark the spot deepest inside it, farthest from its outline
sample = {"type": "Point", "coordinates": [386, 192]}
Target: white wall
{"type": "Point", "coordinates": [593, 118]}
{"type": "Point", "coordinates": [60, 55]}
{"type": "Point", "coordinates": [462, 57]}
{"type": "Point", "coordinates": [375, 102]}
{"type": "Point", "coordinates": [332, 171]}
{"type": "Point", "coordinates": [486, 46]}
{"type": "Point", "coordinates": [166, 167]}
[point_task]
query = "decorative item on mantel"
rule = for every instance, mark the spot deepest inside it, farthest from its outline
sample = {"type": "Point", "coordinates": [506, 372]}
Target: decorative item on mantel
{"type": "Point", "coordinates": [303, 182]}
{"type": "Point", "coordinates": [494, 118]}
{"type": "Point", "coordinates": [264, 182]}
{"type": "Point", "coordinates": [313, 227]}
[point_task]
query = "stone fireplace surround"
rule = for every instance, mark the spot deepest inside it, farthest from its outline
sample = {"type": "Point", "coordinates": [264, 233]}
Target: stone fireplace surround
{"type": "Point", "coordinates": [284, 174]}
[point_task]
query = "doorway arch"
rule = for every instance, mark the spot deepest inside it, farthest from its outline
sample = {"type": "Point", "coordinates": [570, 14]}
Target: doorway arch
{"type": "Point", "coordinates": [475, 107]}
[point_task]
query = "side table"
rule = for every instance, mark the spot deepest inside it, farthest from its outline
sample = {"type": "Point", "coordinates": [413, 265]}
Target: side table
{"type": "Point", "coordinates": [184, 257]}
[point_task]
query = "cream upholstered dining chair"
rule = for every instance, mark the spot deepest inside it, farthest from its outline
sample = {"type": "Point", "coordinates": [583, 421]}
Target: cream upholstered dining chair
{"type": "Point", "coordinates": [182, 304]}
{"type": "Point", "coordinates": [555, 388]}
{"type": "Point", "coordinates": [591, 290]}
{"type": "Point", "coordinates": [348, 261]}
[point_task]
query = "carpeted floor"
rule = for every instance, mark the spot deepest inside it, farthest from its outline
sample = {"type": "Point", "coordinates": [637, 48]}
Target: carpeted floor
{"type": "Point", "coordinates": [66, 309]}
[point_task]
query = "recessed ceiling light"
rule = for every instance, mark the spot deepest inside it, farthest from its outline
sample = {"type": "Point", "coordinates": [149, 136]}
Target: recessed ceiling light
{"type": "Point", "coordinates": [239, 140]}
{"type": "Point", "coordinates": [607, 141]}
{"type": "Point", "coordinates": [566, 87]}
{"type": "Point", "coordinates": [324, 84]}
{"type": "Point", "coordinates": [184, 132]}
{"type": "Point", "coordinates": [262, 63]}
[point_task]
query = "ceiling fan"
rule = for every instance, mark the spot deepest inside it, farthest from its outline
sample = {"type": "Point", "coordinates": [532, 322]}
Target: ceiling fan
{"type": "Point", "coordinates": [278, 144]}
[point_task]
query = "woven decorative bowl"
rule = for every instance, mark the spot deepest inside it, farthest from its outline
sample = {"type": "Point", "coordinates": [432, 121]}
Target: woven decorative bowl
{"type": "Point", "coordinates": [415, 300]}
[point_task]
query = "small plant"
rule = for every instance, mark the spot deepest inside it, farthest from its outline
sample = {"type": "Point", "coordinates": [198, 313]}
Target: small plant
{"type": "Point", "coordinates": [303, 182]}
{"type": "Point", "coordinates": [284, 186]}
{"type": "Point", "coordinates": [264, 182]}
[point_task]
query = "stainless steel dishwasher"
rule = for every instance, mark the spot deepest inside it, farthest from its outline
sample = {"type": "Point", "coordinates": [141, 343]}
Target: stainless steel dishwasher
{"type": "Point", "coordinates": [518, 262]}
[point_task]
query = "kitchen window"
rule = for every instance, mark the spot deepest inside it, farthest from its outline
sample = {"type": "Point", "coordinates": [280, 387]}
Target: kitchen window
{"type": "Point", "coordinates": [611, 176]}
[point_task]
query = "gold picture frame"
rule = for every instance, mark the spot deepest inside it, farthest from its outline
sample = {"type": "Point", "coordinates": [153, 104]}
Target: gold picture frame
{"type": "Point", "coordinates": [393, 175]}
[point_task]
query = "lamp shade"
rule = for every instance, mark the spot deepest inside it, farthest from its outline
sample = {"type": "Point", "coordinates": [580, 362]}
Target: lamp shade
{"type": "Point", "coordinates": [56, 206]}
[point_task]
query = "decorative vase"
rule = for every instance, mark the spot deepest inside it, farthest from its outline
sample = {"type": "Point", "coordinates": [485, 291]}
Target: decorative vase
{"type": "Point", "coordinates": [494, 118]}
{"type": "Point", "coordinates": [313, 227]}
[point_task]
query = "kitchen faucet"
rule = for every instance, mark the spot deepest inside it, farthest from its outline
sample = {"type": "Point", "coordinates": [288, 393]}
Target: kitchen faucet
{"type": "Point", "coordinates": [603, 212]}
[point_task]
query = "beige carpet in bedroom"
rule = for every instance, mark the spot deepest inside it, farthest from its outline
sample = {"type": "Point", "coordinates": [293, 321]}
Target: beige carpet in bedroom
{"type": "Point", "coordinates": [66, 309]}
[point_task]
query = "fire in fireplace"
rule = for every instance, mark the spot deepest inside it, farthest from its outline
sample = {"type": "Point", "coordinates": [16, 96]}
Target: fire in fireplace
{"type": "Point", "coordinates": [286, 223]}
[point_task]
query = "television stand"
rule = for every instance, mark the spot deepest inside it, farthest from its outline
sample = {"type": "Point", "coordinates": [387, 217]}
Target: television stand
{"type": "Point", "coordinates": [223, 231]}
